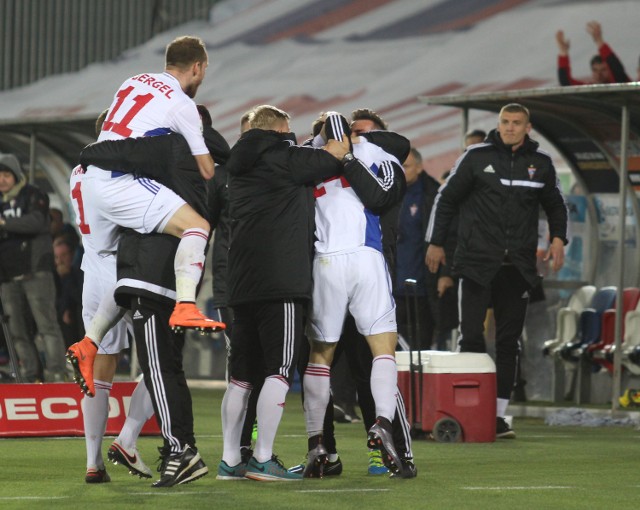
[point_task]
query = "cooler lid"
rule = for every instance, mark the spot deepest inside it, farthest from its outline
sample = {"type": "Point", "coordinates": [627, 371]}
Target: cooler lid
{"type": "Point", "coordinates": [444, 362]}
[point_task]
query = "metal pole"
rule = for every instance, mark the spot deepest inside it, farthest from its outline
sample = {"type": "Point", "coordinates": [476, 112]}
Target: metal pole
{"type": "Point", "coordinates": [465, 126]}
{"type": "Point", "coordinates": [32, 156]}
{"type": "Point", "coordinates": [624, 181]}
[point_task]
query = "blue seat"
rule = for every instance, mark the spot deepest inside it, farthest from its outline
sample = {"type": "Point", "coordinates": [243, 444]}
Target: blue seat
{"type": "Point", "coordinates": [590, 324]}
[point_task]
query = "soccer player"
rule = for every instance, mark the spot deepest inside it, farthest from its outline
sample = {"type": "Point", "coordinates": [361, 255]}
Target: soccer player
{"type": "Point", "coordinates": [147, 104]}
{"type": "Point", "coordinates": [147, 286]}
{"type": "Point", "coordinates": [350, 274]}
{"type": "Point", "coordinates": [95, 410]}
{"type": "Point", "coordinates": [370, 126]}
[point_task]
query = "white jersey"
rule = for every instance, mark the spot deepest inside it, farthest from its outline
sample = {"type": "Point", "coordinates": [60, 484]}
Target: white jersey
{"type": "Point", "coordinates": [90, 242]}
{"type": "Point", "coordinates": [99, 270]}
{"type": "Point", "coordinates": [155, 104]}
{"type": "Point", "coordinates": [349, 270]}
{"type": "Point", "coordinates": [144, 105]}
{"type": "Point", "coordinates": [342, 222]}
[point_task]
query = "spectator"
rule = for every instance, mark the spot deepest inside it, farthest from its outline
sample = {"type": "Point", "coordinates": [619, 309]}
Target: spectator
{"type": "Point", "coordinates": [26, 271]}
{"type": "Point", "coordinates": [60, 228]}
{"type": "Point", "coordinates": [605, 66]}
{"type": "Point", "coordinates": [497, 188]}
{"type": "Point", "coordinates": [411, 251]}
{"type": "Point", "coordinates": [69, 296]}
{"type": "Point", "coordinates": [473, 137]}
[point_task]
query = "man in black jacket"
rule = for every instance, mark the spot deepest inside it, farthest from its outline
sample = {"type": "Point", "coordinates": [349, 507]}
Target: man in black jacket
{"type": "Point", "coordinates": [497, 187]}
{"type": "Point", "coordinates": [271, 210]}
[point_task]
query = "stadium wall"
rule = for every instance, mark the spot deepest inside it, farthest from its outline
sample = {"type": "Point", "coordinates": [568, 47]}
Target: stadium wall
{"type": "Point", "coordinates": [44, 37]}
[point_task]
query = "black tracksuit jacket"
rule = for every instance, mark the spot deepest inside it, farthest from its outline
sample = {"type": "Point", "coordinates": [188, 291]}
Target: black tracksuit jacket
{"type": "Point", "coordinates": [498, 194]}
{"type": "Point", "coordinates": [271, 212]}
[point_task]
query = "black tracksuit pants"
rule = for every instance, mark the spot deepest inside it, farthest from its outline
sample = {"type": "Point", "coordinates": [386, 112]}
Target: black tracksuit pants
{"type": "Point", "coordinates": [508, 294]}
{"type": "Point", "coordinates": [160, 356]}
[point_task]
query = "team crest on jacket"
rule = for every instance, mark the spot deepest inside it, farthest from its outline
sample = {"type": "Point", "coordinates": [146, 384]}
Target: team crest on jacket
{"type": "Point", "coordinates": [532, 171]}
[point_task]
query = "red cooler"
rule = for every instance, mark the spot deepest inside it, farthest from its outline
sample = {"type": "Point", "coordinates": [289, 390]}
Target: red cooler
{"type": "Point", "coordinates": [452, 395]}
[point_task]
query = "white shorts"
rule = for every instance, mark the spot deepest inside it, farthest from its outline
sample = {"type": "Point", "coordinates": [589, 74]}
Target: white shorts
{"type": "Point", "coordinates": [100, 278]}
{"type": "Point", "coordinates": [141, 204]}
{"type": "Point", "coordinates": [358, 282]}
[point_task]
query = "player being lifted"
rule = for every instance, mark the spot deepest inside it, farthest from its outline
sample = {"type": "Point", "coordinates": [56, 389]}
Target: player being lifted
{"type": "Point", "coordinates": [144, 105]}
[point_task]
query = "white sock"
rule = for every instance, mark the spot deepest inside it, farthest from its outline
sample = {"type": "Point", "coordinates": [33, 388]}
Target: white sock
{"type": "Point", "coordinates": [384, 384]}
{"type": "Point", "coordinates": [501, 407]}
{"type": "Point", "coordinates": [107, 315]}
{"type": "Point", "coordinates": [95, 412]}
{"type": "Point", "coordinates": [189, 263]}
{"type": "Point", "coordinates": [140, 410]}
{"type": "Point", "coordinates": [269, 413]}
{"type": "Point", "coordinates": [317, 390]}
{"type": "Point", "coordinates": [234, 409]}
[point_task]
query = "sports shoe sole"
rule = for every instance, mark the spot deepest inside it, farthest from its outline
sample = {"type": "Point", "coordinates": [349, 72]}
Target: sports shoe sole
{"type": "Point", "coordinates": [229, 477]}
{"type": "Point", "coordinates": [192, 476]}
{"type": "Point", "coordinates": [264, 477]}
{"type": "Point", "coordinates": [186, 475]}
{"type": "Point", "coordinates": [377, 439]}
{"type": "Point", "coordinates": [77, 374]}
{"type": "Point", "coordinates": [316, 463]}
{"type": "Point", "coordinates": [195, 475]}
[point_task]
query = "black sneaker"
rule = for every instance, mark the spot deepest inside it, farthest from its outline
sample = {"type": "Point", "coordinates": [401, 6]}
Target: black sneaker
{"type": "Point", "coordinates": [503, 431]}
{"type": "Point", "coordinates": [380, 437]}
{"type": "Point", "coordinates": [181, 468]}
{"type": "Point", "coordinates": [333, 468]}
{"type": "Point", "coordinates": [407, 470]}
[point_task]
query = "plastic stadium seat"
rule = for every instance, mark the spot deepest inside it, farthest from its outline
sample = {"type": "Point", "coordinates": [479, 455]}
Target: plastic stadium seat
{"type": "Point", "coordinates": [568, 319]}
{"type": "Point", "coordinates": [590, 324]}
{"type": "Point", "coordinates": [601, 351]}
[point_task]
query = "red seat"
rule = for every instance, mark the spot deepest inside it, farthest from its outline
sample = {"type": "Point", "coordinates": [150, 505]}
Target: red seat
{"type": "Point", "coordinates": [600, 352]}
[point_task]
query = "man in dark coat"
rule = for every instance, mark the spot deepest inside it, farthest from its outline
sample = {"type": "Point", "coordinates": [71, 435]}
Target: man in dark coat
{"type": "Point", "coordinates": [497, 187]}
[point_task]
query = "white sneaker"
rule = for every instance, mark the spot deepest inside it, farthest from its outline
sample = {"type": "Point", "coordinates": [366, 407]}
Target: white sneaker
{"type": "Point", "coordinates": [118, 454]}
